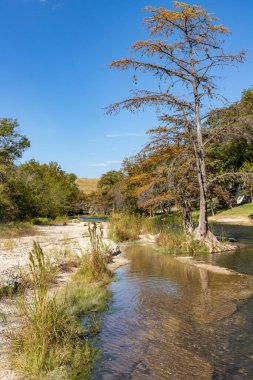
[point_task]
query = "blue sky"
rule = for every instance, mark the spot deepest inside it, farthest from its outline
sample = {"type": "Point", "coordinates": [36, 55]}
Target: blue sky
{"type": "Point", "coordinates": [54, 75]}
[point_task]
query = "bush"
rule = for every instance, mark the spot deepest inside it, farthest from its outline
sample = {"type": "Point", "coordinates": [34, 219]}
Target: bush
{"type": "Point", "coordinates": [41, 221]}
{"type": "Point", "coordinates": [59, 220]}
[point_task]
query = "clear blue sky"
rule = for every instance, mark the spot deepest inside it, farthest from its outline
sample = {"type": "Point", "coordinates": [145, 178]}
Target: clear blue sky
{"type": "Point", "coordinates": [54, 75]}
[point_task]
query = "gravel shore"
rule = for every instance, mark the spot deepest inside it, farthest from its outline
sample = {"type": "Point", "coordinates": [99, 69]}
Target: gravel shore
{"type": "Point", "coordinates": [56, 242]}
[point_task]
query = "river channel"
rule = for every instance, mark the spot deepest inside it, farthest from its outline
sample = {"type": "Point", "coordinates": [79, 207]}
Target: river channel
{"type": "Point", "coordinates": [171, 320]}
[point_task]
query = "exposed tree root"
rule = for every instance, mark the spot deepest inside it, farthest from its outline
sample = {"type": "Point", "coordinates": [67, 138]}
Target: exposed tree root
{"type": "Point", "coordinates": [211, 242]}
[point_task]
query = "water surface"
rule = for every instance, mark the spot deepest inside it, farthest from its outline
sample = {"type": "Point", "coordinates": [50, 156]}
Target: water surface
{"type": "Point", "coordinates": [170, 320]}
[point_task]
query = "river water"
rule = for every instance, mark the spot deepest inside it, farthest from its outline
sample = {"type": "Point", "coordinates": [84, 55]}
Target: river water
{"type": "Point", "coordinates": [171, 320]}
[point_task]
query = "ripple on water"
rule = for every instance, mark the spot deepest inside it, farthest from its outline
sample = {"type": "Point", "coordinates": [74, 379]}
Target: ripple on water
{"type": "Point", "coordinates": [172, 321]}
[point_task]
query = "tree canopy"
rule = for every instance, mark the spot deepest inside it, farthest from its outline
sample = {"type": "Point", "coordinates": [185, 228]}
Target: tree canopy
{"type": "Point", "coordinates": [185, 47]}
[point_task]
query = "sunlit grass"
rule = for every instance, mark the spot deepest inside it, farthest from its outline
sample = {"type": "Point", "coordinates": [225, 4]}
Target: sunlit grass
{"type": "Point", "coordinates": [177, 242]}
{"type": "Point", "coordinates": [52, 343]}
{"type": "Point", "coordinates": [242, 210]}
{"type": "Point", "coordinates": [129, 227]}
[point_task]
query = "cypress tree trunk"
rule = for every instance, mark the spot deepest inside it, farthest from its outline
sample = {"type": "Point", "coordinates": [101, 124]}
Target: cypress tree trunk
{"type": "Point", "coordinates": [187, 216]}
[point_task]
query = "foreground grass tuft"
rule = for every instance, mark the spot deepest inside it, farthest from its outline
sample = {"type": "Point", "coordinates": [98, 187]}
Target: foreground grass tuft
{"type": "Point", "coordinates": [53, 344]}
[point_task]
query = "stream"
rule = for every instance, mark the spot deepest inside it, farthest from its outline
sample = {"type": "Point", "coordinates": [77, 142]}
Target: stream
{"type": "Point", "coordinates": [171, 320]}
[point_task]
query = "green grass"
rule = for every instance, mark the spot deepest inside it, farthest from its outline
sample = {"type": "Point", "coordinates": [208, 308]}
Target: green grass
{"type": "Point", "coordinates": [81, 298]}
{"type": "Point", "coordinates": [165, 219]}
{"type": "Point", "coordinates": [237, 211]}
{"type": "Point", "coordinates": [10, 289]}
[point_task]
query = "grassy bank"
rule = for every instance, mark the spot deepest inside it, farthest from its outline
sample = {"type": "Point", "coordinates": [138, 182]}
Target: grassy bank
{"type": "Point", "coordinates": [28, 228]}
{"type": "Point", "coordinates": [238, 211]}
{"type": "Point", "coordinates": [55, 341]}
{"type": "Point", "coordinates": [129, 227]}
{"type": "Point", "coordinates": [179, 243]}
{"type": "Point", "coordinates": [173, 240]}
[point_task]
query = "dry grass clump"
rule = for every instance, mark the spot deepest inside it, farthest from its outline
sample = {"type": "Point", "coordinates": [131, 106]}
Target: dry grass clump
{"type": "Point", "coordinates": [177, 242]}
{"type": "Point", "coordinates": [50, 337]}
{"type": "Point", "coordinates": [128, 227]}
{"type": "Point", "coordinates": [16, 230]}
{"type": "Point", "coordinates": [53, 344]}
{"type": "Point", "coordinates": [93, 267]}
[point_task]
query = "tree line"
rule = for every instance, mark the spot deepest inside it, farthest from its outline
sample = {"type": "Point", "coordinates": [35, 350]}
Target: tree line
{"type": "Point", "coordinates": [163, 174]}
{"type": "Point", "coordinates": [198, 153]}
{"type": "Point", "coordinates": [31, 189]}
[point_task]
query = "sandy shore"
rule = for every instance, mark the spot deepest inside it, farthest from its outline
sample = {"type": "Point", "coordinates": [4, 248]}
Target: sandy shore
{"type": "Point", "coordinates": [240, 220]}
{"type": "Point", "coordinates": [58, 243]}
{"type": "Point", "coordinates": [208, 267]}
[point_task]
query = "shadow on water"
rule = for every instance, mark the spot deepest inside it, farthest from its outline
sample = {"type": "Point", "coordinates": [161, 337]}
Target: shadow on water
{"type": "Point", "coordinates": [174, 321]}
{"type": "Point", "coordinates": [240, 260]}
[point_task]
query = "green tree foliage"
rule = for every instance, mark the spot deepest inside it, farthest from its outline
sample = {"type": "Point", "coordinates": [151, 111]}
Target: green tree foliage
{"type": "Point", "coordinates": [31, 189]}
{"type": "Point", "coordinates": [44, 190]}
{"type": "Point", "coordinates": [229, 136]}
{"type": "Point", "coordinates": [163, 174]}
{"type": "Point", "coordinates": [12, 142]}
{"type": "Point", "coordinates": [110, 191]}
{"type": "Point", "coordinates": [12, 146]}
{"type": "Point", "coordinates": [185, 46]}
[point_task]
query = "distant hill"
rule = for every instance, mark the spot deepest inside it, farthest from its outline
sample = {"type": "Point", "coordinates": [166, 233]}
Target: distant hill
{"type": "Point", "coordinates": [87, 185]}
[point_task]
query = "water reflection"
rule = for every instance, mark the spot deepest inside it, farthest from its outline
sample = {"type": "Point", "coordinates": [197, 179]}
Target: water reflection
{"type": "Point", "coordinates": [240, 260]}
{"type": "Point", "coordinates": [174, 321]}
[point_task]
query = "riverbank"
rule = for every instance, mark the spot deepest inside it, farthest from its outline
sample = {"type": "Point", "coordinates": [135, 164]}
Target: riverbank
{"type": "Point", "coordinates": [241, 215]}
{"type": "Point", "coordinates": [175, 320]}
{"type": "Point", "coordinates": [64, 246]}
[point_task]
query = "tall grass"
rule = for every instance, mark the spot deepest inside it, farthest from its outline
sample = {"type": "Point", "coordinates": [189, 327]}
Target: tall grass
{"type": "Point", "coordinates": [94, 265]}
{"type": "Point", "coordinates": [128, 227]}
{"type": "Point", "coordinates": [53, 344]}
{"type": "Point", "coordinates": [177, 242]}
{"type": "Point", "coordinates": [50, 344]}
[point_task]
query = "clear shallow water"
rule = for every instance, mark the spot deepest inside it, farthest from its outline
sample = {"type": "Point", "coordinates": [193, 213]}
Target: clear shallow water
{"type": "Point", "coordinates": [170, 320]}
{"type": "Point", "coordinates": [240, 260]}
